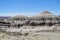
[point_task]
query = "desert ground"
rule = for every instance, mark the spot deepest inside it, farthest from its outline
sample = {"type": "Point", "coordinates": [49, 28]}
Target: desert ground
{"type": "Point", "coordinates": [31, 36]}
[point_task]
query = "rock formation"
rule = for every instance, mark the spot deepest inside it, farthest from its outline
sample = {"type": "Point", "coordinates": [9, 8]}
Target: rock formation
{"type": "Point", "coordinates": [43, 19]}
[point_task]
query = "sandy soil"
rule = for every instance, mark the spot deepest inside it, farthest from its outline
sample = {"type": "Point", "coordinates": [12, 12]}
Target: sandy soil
{"type": "Point", "coordinates": [31, 36]}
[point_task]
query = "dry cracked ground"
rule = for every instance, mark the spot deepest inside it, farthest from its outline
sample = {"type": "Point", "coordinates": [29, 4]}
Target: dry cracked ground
{"type": "Point", "coordinates": [31, 36]}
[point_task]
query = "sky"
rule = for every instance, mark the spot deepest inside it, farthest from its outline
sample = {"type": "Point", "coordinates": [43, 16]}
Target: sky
{"type": "Point", "coordinates": [28, 7]}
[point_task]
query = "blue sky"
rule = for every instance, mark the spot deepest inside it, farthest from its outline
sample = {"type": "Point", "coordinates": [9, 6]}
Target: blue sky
{"type": "Point", "coordinates": [28, 7]}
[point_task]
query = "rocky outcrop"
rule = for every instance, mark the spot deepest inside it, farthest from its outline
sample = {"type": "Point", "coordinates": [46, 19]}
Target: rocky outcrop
{"type": "Point", "coordinates": [43, 19]}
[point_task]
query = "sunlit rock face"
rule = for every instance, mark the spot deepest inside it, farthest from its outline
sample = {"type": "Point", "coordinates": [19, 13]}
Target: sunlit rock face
{"type": "Point", "coordinates": [44, 18]}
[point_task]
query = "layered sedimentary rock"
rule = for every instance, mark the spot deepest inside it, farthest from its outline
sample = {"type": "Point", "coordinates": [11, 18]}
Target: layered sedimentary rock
{"type": "Point", "coordinates": [43, 19]}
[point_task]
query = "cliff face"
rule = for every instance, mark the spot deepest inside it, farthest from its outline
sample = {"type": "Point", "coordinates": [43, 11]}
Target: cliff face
{"type": "Point", "coordinates": [42, 19]}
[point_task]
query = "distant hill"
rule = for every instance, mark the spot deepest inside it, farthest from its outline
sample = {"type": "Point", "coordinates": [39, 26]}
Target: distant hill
{"type": "Point", "coordinates": [4, 17]}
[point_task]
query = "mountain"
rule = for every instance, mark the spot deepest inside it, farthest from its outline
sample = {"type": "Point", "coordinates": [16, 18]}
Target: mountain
{"type": "Point", "coordinates": [45, 13]}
